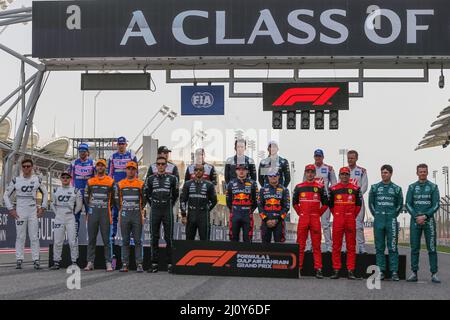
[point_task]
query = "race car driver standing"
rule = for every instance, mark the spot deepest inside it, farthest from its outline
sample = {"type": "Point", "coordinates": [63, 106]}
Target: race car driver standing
{"type": "Point", "coordinates": [310, 201]}
{"type": "Point", "coordinates": [274, 163]}
{"type": "Point", "coordinates": [358, 176]}
{"type": "Point", "coordinates": [81, 170]}
{"type": "Point", "coordinates": [385, 204]}
{"type": "Point", "coordinates": [197, 200]}
{"type": "Point", "coordinates": [99, 196]}
{"type": "Point", "coordinates": [344, 202]}
{"type": "Point", "coordinates": [131, 201]}
{"type": "Point", "coordinates": [324, 175]}
{"type": "Point", "coordinates": [66, 202]}
{"type": "Point", "coordinates": [273, 206]}
{"type": "Point", "coordinates": [209, 172]}
{"type": "Point", "coordinates": [27, 211]}
{"type": "Point", "coordinates": [171, 168]}
{"type": "Point", "coordinates": [239, 158]}
{"type": "Point", "coordinates": [117, 170]}
{"type": "Point", "coordinates": [242, 201]}
{"type": "Point", "coordinates": [422, 201]}
{"type": "Point", "coordinates": [161, 192]}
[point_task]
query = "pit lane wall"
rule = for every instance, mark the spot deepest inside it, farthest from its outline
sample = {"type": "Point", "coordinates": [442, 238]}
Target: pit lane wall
{"type": "Point", "coordinates": [8, 232]}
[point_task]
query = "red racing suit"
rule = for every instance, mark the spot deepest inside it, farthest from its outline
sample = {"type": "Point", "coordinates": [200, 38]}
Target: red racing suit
{"type": "Point", "coordinates": [345, 202]}
{"type": "Point", "coordinates": [310, 202]}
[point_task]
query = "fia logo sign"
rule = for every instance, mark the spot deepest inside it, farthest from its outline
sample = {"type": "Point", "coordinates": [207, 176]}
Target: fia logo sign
{"type": "Point", "coordinates": [202, 100]}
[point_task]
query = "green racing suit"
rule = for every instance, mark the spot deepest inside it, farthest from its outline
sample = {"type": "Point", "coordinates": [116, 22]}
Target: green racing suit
{"type": "Point", "coordinates": [423, 199]}
{"type": "Point", "coordinates": [385, 204]}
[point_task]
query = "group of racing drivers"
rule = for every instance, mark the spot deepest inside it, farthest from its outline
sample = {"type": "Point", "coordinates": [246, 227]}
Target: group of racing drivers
{"type": "Point", "coordinates": [111, 194]}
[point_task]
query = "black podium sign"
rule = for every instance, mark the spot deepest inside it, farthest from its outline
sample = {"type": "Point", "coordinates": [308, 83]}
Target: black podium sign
{"type": "Point", "coordinates": [236, 259]}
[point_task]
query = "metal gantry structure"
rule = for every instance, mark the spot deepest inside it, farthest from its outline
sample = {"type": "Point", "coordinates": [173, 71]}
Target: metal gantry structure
{"type": "Point", "coordinates": [33, 83]}
{"type": "Point", "coordinates": [295, 68]}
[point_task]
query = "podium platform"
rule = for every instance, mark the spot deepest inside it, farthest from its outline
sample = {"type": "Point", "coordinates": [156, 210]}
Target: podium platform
{"type": "Point", "coordinates": [181, 247]}
{"type": "Point", "coordinates": [363, 261]}
{"type": "Point", "coordinates": [99, 262]}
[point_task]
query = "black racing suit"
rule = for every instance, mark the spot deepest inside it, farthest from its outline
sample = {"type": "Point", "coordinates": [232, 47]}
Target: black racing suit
{"type": "Point", "coordinates": [208, 174]}
{"type": "Point", "coordinates": [242, 201]}
{"type": "Point", "coordinates": [197, 200]}
{"type": "Point", "coordinates": [161, 192]}
{"type": "Point", "coordinates": [171, 168]}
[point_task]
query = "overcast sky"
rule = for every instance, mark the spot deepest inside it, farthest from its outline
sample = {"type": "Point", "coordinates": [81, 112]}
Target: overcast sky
{"type": "Point", "coordinates": [384, 126]}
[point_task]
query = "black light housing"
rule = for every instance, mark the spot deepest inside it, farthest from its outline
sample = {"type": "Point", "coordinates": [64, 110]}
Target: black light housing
{"type": "Point", "coordinates": [277, 120]}
{"type": "Point", "coordinates": [319, 120]}
{"type": "Point", "coordinates": [305, 120]}
{"type": "Point", "coordinates": [334, 120]}
{"type": "Point", "coordinates": [291, 120]}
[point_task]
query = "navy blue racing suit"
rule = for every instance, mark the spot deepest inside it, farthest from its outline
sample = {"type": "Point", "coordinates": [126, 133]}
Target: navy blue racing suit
{"type": "Point", "coordinates": [273, 204]}
{"type": "Point", "coordinates": [242, 201]}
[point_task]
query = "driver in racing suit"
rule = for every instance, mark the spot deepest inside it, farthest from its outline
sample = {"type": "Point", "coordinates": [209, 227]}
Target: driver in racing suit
{"type": "Point", "coordinates": [324, 175]}
{"type": "Point", "coordinates": [67, 201]}
{"type": "Point", "coordinates": [242, 201]}
{"type": "Point", "coordinates": [131, 201]}
{"type": "Point", "coordinates": [345, 203]}
{"type": "Point", "coordinates": [99, 195]}
{"type": "Point", "coordinates": [239, 158]}
{"type": "Point", "coordinates": [27, 211]}
{"type": "Point", "coordinates": [422, 202]}
{"type": "Point", "coordinates": [81, 170]}
{"type": "Point", "coordinates": [209, 172]}
{"type": "Point", "coordinates": [385, 204]}
{"type": "Point", "coordinates": [358, 176]}
{"type": "Point", "coordinates": [274, 162]}
{"type": "Point", "coordinates": [273, 206]}
{"type": "Point", "coordinates": [197, 200]}
{"type": "Point", "coordinates": [161, 192]}
{"type": "Point", "coordinates": [310, 202]}
{"type": "Point", "coordinates": [117, 170]}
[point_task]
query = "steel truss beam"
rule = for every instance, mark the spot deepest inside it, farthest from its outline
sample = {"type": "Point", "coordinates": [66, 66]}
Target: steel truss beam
{"type": "Point", "coordinates": [15, 16]}
{"type": "Point", "coordinates": [7, 13]}
{"type": "Point", "coordinates": [21, 98]}
{"type": "Point", "coordinates": [232, 80]}
{"type": "Point", "coordinates": [199, 63]}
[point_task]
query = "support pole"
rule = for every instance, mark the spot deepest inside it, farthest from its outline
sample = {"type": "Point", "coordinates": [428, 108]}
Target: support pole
{"type": "Point", "coordinates": [24, 123]}
{"type": "Point", "coordinates": [22, 81]}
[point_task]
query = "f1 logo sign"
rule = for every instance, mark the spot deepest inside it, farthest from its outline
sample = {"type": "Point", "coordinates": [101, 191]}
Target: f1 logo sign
{"type": "Point", "coordinates": [218, 258]}
{"type": "Point", "coordinates": [318, 96]}
{"type": "Point", "coordinates": [298, 96]}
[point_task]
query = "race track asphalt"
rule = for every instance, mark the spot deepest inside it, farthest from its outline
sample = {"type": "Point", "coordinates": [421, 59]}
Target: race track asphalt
{"type": "Point", "coordinates": [44, 284]}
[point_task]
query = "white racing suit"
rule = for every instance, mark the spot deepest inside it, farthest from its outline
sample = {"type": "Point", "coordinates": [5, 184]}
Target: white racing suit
{"type": "Point", "coordinates": [66, 202]}
{"type": "Point", "coordinates": [326, 176]}
{"type": "Point", "coordinates": [26, 207]}
{"type": "Point", "coordinates": [358, 176]}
